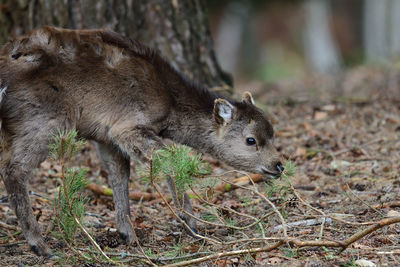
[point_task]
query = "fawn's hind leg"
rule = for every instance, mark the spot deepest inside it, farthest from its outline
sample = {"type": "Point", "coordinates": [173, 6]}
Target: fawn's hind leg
{"type": "Point", "coordinates": [23, 154]}
{"type": "Point", "coordinates": [118, 168]}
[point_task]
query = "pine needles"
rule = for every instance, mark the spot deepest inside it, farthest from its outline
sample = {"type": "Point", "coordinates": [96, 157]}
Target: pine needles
{"type": "Point", "coordinates": [70, 203]}
{"type": "Point", "coordinates": [180, 163]}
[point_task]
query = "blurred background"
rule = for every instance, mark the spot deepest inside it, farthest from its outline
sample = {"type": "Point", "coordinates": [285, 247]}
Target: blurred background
{"type": "Point", "coordinates": [270, 40]}
{"type": "Point", "coordinates": [343, 48]}
{"type": "Point", "coordinates": [293, 47]}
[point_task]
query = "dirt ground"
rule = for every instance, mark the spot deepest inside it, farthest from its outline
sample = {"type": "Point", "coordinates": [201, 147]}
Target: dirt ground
{"type": "Point", "coordinates": [342, 133]}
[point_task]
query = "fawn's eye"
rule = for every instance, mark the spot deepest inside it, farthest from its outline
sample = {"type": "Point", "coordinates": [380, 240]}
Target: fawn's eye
{"type": "Point", "coordinates": [251, 141]}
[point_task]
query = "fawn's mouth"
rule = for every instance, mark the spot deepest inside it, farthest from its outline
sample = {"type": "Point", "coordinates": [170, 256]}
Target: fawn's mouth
{"type": "Point", "coordinates": [271, 174]}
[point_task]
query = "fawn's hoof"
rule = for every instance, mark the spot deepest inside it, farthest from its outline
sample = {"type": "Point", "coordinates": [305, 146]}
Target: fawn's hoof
{"type": "Point", "coordinates": [54, 257]}
{"type": "Point", "coordinates": [128, 238]}
{"type": "Point", "coordinates": [194, 230]}
{"type": "Point", "coordinates": [123, 236]}
{"type": "Point", "coordinates": [42, 250]}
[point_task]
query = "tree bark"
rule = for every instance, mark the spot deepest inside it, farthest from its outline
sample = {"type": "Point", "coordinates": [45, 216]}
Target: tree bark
{"type": "Point", "coordinates": [394, 30]}
{"type": "Point", "coordinates": [381, 31]}
{"type": "Point", "coordinates": [320, 46]}
{"type": "Point", "coordinates": [375, 26]}
{"type": "Point", "coordinates": [231, 30]}
{"type": "Point", "coordinates": [178, 29]}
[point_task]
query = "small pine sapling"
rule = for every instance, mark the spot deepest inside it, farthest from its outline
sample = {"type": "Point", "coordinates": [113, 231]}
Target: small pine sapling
{"type": "Point", "coordinates": [290, 170]}
{"type": "Point", "coordinates": [180, 163]}
{"type": "Point", "coordinates": [283, 187]}
{"type": "Point", "coordinates": [70, 204]}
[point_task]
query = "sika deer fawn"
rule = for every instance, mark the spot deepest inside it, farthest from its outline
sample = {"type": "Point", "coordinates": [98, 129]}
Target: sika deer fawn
{"type": "Point", "coordinates": [122, 95]}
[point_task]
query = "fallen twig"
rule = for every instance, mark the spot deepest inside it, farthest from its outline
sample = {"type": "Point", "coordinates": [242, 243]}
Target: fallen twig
{"type": "Point", "coordinates": [135, 195]}
{"type": "Point", "coordinates": [226, 187]}
{"type": "Point", "coordinates": [299, 243]}
{"type": "Point", "coordinates": [9, 227]}
{"type": "Point", "coordinates": [310, 222]}
{"type": "Point", "coordinates": [226, 254]}
{"type": "Point", "coordinates": [12, 244]}
{"type": "Point", "coordinates": [369, 229]}
{"type": "Point", "coordinates": [388, 252]}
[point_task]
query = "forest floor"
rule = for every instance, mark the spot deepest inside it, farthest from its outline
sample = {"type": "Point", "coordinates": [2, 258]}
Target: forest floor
{"type": "Point", "coordinates": [342, 133]}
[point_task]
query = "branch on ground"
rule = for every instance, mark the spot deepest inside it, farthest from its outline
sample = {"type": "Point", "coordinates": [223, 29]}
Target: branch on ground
{"type": "Point", "coordinates": [9, 227]}
{"type": "Point", "coordinates": [135, 195]}
{"type": "Point", "coordinates": [296, 242]}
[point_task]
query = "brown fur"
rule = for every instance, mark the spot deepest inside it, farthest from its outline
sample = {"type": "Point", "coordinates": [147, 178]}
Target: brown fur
{"type": "Point", "coordinates": [122, 95]}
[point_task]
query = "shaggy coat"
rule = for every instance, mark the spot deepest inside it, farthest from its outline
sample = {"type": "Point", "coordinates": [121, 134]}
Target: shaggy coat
{"type": "Point", "coordinates": [124, 96]}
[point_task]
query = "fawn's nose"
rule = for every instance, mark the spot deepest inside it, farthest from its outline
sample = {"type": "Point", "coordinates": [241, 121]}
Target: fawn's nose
{"type": "Point", "coordinates": [280, 167]}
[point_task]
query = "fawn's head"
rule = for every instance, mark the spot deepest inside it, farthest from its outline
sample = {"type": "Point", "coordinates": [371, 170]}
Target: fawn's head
{"type": "Point", "coordinates": [247, 137]}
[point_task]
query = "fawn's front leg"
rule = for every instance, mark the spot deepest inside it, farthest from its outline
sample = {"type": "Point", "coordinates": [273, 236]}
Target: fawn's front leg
{"type": "Point", "coordinates": [141, 141]}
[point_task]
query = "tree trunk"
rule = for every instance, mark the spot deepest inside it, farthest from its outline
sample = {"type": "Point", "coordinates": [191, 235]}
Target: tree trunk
{"type": "Point", "coordinates": [176, 28]}
{"type": "Point", "coordinates": [375, 14]}
{"type": "Point", "coordinates": [230, 34]}
{"type": "Point", "coordinates": [319, 44]}
{"type": "Point", "coordinates": [381, 30]}
{"type": "Point", "coordinates": [394, 29]}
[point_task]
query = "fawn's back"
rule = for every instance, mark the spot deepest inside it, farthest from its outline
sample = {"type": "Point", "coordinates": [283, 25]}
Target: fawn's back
{"type": "Point", "coordinates": [92, 80]}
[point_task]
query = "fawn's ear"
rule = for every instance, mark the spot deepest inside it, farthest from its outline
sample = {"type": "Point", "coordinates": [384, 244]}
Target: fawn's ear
{"type": "Point", "coordinates": [247, 98]}
{"type": "Point", "coordinates": [223, 111]}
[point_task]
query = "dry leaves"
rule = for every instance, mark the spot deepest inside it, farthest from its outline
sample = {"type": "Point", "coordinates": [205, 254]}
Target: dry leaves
{"type": "Point", "coordinates": [345, 142]}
